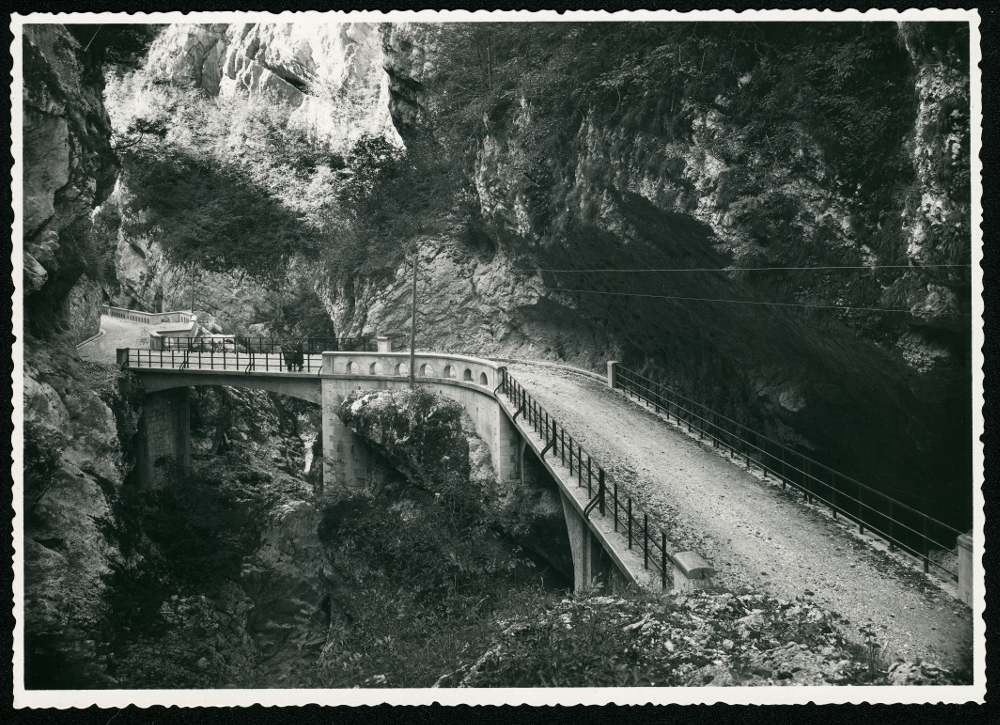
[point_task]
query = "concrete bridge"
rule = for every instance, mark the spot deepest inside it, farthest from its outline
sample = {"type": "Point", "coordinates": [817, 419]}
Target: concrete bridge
{"type": "Point", "coordinates": [605, 547]}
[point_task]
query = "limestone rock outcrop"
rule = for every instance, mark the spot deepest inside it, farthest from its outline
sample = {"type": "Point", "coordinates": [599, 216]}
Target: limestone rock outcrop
{"type": "Point", "coordinates": [330, 72]}
{"type": "Point", "coordinates": [69, 168]}
{"type": "Point", "coordinates": [147, 280]}
{"type": "Point", "coordinates": [620, 196]}
{"type": "Point", "coordinates": [73, 459]}
{"type": "Point", "coordinates": [66, 552]}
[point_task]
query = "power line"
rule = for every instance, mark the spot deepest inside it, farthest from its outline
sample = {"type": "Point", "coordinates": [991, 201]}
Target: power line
{"type": "Point", "coordinates": [755, 269]}
{"type": "Point", "coordinates": [754, 302]}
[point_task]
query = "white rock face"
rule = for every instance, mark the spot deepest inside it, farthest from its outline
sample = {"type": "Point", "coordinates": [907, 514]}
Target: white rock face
{"type": "Point", "coordinates": [329, 72]}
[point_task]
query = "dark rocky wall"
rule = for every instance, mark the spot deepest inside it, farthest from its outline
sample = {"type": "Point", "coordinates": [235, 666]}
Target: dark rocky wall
{"type": "Point", "coordinates": [69, 168]}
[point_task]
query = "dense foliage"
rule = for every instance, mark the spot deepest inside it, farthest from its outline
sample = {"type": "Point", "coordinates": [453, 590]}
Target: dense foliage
{"type": "Point", "coordinates": [171, 592]}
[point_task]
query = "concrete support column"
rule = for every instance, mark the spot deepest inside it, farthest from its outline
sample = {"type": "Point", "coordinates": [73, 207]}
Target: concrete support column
{"type": "Point", "coordinates": [612, 373]}
{"type": "Point", "coordinates": [506, 448]}
{"type": "Point", "coordinates": [166, 435]}
{"type": "Point", "coordinates": [580, 544]}
{"type": "Point", "coordinates": [384, 344]}
{"type": "Point", "coordinates": [965, 568]}
{"type": "Point", "coordinates": [345, 454]}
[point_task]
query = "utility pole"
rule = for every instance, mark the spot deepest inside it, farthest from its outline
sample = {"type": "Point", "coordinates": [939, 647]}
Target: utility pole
{"type": "Point", "coordinates": [413, 315]}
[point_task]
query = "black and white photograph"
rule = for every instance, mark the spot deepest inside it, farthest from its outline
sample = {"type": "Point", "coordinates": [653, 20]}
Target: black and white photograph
{"type": "Point", "coordinates": [497, 358]}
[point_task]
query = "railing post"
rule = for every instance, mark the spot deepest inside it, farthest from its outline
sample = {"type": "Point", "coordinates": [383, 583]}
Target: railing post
{"type": "Point", "coordinates": [630, 523]}
{"type": "Point", "coordinates": [663, 564]}
{"type": "Point", "coordinates": [612, 373]}
{"type": "Point", "coordinates": [590, 476]}
{"type": "Point", "coordinates": [600, 487]}
{"type": "Point", "coordinates": [616, 507]}
{"type": "Point", "coordinates": [927, 550]}
{"type": "Point", "coordinates": [892, 529]}
{"type": "Point", "coordinates": [807, 481]}
{"type": "Point", "coordinates": [645, 541]}
{"type": "Point", "coordinates": [861, 508]}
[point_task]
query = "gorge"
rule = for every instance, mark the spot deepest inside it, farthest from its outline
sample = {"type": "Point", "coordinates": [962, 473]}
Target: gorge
{"type": "Point", "coordinates": [775, 223]}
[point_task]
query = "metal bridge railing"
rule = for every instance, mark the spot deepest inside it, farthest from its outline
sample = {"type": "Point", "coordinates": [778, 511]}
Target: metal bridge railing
{"type": "Point", "coordinates": [897, 523]}
{"type": "Point", "coordinates": [602, 490]}
{"type": "Point", "coordinates": [221, 360]}
{"type": "Point", "coordinates": [238, 343]}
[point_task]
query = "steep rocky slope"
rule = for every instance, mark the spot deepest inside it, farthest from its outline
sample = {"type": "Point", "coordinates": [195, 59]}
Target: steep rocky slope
{"type": "Point", "coordinates": [330, 73]}
{"type": "Point", "coordinates": [883, 396]}
{"type": "Point", "coordinates": [654, 161]}
{"type": "Point", "coordinates": [69, 167]}
{"type": "Point", "coordinates": [73, 413]}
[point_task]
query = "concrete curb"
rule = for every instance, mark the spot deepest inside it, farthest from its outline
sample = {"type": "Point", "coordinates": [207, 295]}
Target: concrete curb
{"type": "Point", "coordinates": [89, 340]}
{"type": "Point", "coordinates": [557, 366]}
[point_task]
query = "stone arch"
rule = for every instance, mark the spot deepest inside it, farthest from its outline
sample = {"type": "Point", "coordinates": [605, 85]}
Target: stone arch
{"type": "Point", "coordinates": [449, 372]}
{"type": "Point", "coordinates": [467, 375]}
{"type": "Point", "coordinates": [426, 370]}
{"type": "Point", "coordinates": [353, 368]}
{"type": "Point", "coordinates": [402, 369]}
{"type": "Point", "coordinates": [483, 380]}
{"type": "Point", "coordinates": [376, 369]}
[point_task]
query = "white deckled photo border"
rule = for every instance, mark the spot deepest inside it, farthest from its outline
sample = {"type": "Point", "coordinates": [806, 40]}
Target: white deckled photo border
{"type": "Point", "coordinates": [24, 698]}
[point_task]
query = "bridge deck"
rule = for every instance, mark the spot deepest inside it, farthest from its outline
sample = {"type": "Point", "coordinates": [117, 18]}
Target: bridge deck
{"type": "Point", "coordinates": [754, 533]}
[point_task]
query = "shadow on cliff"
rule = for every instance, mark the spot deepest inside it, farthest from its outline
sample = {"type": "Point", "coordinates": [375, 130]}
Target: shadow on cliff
{"type": "Point", "coordinates": [796, 374]}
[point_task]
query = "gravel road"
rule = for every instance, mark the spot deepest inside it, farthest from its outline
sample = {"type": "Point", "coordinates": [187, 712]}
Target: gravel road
{"type": "Point", "coordinates": [118, 333]}
{"type": "Point", "coordinates": [757, 535]}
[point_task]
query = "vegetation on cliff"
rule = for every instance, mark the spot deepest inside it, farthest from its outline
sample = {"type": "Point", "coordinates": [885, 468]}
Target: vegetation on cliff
{"type": "Point", "coordinates": [641, 161]}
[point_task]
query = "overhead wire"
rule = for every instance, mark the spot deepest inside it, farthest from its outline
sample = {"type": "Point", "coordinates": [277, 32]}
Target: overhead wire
{"type": "Point", "coordinates": [752, 269]}
{"type": "Point", "coordinates": [754, 302]}
{"type": "Point", "coordinates": [755, 269]}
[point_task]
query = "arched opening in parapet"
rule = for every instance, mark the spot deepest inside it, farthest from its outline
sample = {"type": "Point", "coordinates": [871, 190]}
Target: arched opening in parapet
{"type": "Point", "coordinates": [375, 369]}
{"type": "Point", "coordinates": [483, 380]}
{"type": "Point", "coordinates": [467, 375]}
{"type": "Point", "coordinates": [449, 372]}
{"type": "Point", "coordinates": [426, 371]}
{"type": "Point", "coordinates": [402, 369]}
{"type": "Point", "coordinates": [353, 368]}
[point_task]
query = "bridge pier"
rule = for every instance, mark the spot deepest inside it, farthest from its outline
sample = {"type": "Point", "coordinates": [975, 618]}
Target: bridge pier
{"type": "Point", "coordinates": [589, 559]}
{"type": "Point", "coordinates": [345, 453]}
{"type": "Point", "coordinates": [165, 432]}
{"type": "Point", "coordinates": [507, 449]}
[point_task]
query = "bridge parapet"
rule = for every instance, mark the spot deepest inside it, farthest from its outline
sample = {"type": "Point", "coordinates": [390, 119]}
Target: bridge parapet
{"type": "Point", "coordinates": [148, 318]}
{"type": "Point", "coordinates": [437, 366]}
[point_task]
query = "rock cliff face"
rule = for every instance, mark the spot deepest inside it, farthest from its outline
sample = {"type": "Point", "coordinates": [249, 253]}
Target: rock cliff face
{"type": "Point", "coordinates": [146, 280]}
{"type": "Point", "coordinates": [625, 198]}
{"type": "Point", "coordinates": [69, 167]}
{"type": "Point", "coordinates": [619, 195]}
{"type": "Point", "coordinates": [73, 459]}
{"type": "Point", "coordinates": [329, 72]}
